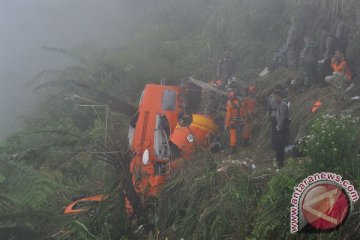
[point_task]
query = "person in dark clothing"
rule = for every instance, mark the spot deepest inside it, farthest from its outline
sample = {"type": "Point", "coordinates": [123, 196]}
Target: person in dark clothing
{"type": "Point", "coordinates": [225, 68]}
{"type": "Point", "coordinates": [281, 137]}
{"type": "Point", "coordinates": [279, 59]}
{"type": "Point", "coordinates": [329, 47]}
{"type": "Point", "coordinates": [273, 106]}
{"type": "Point", "coordinates": [293, 48]}
{"type": "Point", "coordinates": [185, 119]}
{"type": "Point", "coordinates": [212, 105]}
{"type": "Point", "coordinates": [342, 35]}
{"type": "Point", "coordinates": [308, 62]}
{"type": "Point", "coordinates": [234, 84]}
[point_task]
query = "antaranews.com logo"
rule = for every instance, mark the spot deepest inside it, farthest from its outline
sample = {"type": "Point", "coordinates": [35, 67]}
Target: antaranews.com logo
{"type": "Point", "coordinates": [321, 202]}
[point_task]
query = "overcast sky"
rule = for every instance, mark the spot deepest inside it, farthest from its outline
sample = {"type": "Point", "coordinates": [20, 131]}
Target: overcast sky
{"type": "Point", "coordinates": [27, 25]}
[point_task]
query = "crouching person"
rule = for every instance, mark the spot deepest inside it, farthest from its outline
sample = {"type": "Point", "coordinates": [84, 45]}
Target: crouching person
{"type": "Point", "coordinates": [342, 75]}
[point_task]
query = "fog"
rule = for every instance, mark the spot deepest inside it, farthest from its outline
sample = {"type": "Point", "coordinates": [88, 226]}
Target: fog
{"type": "Point", "coordinates": [27, 25]}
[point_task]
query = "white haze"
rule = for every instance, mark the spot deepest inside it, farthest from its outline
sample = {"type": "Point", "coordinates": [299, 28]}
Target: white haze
{"type": "Point", "coordinates": [27, 25]}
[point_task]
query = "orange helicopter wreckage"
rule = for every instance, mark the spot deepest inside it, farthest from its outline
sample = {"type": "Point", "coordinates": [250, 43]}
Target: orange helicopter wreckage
{"type": "Point", "coordinates": [159, 140]}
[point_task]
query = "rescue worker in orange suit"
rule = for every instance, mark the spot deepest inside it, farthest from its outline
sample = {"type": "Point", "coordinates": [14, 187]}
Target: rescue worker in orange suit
{"type": "Point", "coordinates": [248, 104]}
{"type": "Point", "coordinates": [233, 121]}
{"type": "Point", "coordinates": [342, 75]}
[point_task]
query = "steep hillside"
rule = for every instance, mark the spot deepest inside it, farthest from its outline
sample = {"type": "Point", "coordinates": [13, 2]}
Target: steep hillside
{"type": "Point", "coordinates": [242, 196]}
{"type": "Point", "coordinates": [75, 142]}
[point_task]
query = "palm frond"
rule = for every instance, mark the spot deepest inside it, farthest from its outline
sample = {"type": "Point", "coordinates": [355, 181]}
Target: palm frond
{"type": "Point", "coordinates": [69, 54]}
{"type": "Point", "coordinates": [65, 84]}
{"type": "Point", "coordinates": [42, 76]}
{"type": "Point", "coordinates": [120, 160]}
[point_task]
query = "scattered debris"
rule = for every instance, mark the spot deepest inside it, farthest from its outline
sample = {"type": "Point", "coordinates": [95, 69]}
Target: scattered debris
{"type": "Point", "coordinates": [264, 72]}
{"type": "Point", "coordinates": [316, 106]}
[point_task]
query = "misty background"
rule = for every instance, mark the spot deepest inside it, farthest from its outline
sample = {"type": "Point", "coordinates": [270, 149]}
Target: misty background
{"type": "Point", "coordinates": [28, 25]}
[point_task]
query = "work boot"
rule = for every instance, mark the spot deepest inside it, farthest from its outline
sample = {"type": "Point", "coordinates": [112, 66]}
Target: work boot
{"type": "Point", "coordinates": [233, 150]}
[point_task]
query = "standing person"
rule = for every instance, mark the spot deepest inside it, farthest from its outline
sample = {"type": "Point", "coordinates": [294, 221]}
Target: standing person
{"type": "Point", "coordinates": [293, 48]}
{"type": "Point", "coordinates": [278, 60]}
{"type": "Point", "coordinates": [342, 35]}
{"type": "Point", "coordinates": [249, 104]}
{"type": "Point", "coordinates": [225, 68]}
{"type": "Point", "coordinates": [233, 119]}
{"type": "Point", "coordinates": [212, 104]}
{"type": "Point", "coordinates": [282, 128]}
{"type": "Point", "coordinates": [329, 47]}
{"type": "Point", "coordinates": [308, 62]}
{"type": "Point", "coordinates": [234, 84]}
{"type": "Point", "coordinates": [273, 106]}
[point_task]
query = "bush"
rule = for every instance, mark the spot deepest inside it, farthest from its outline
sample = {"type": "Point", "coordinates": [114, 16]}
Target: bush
{"type": "Point", "coordinates": [333, 144]}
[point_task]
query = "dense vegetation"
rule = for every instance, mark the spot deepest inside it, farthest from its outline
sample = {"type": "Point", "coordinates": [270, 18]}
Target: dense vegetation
{"type": "Point", "coordinates": [60, 150]}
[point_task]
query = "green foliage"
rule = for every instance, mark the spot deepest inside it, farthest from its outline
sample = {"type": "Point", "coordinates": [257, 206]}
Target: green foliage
{"type": "Point", "coordinates": [2, 178]}
{"type": "Point", "coordinates": [24, 197]}
{"type": "Point", "coordinates": [272, 214]}
{"type": "Point", "coordinates": [332, 147]}
{"type": "Point", "coordinates": [334, 142]}
{"type": "Point", "coordinates": [203, 203]}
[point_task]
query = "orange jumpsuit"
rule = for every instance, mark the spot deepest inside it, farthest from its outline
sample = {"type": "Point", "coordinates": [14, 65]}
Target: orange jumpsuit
{"type": "Point", "coordinates": [342, 67]}
{"type": "Point", "coordinates": [249, 105]}
{"type": "Point", "coordinates": [233, 120]}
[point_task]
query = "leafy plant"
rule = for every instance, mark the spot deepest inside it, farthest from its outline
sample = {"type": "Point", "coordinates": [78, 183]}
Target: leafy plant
{"type": "Point", "coordinates": [334, 142]}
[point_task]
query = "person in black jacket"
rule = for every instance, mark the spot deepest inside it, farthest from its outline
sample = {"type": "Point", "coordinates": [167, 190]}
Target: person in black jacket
{"type": "Point", "coordinates": [293, 46]}
{"type": "Point", "coordinates": [308, 62]}
{"type": "Point", "coordinates": [342, 35]}
{"type": "Point", "coordinates": [225, 68]}
{"type": "Point", "coordinates": [329, 47]}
